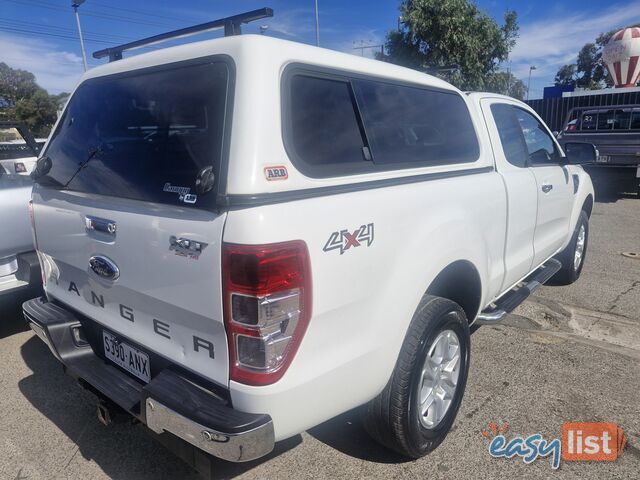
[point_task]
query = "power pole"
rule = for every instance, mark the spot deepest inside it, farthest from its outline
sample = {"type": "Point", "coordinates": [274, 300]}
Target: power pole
{"type": "Point", "coordinates": [317, 26]}
{"type": "Point", "coordinates": [75, 5]}
{"type": "Point", "coordinates": [363, 46]}
{"type": "Point", "coordinates": [532, 67]}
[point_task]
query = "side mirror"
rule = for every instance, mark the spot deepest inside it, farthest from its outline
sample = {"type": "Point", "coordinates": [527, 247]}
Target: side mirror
{"type": "Point", "coordinates": [581, 153]}
{"type": "Point", "coordinates": [43, 166]}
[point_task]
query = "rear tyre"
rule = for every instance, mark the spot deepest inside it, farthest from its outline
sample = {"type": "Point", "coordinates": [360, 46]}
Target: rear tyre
{"type": "Point", "coordinates": [573, 256]}
{"type": "Point", "coordinates": [416, 409]}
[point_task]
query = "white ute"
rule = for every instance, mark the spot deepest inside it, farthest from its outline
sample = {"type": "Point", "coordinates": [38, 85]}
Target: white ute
{"type": "Point", "coordinates": [244, 237]}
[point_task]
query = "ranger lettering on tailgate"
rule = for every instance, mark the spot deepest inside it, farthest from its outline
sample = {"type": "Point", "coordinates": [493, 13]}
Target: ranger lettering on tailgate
{"type": "Point", "coordinates": [159, 327]}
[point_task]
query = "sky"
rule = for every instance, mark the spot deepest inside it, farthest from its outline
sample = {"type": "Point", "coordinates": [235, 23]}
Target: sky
{"type": "Point", "coordinates": [40, 35]}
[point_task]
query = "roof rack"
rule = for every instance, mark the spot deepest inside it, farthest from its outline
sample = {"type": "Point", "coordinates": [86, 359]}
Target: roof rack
{"type": "Point", "coordinates": [232, 26]}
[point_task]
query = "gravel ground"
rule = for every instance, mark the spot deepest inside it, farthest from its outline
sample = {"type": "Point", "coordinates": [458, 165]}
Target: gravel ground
{"type": "Point", "coordinates": [569, 354]}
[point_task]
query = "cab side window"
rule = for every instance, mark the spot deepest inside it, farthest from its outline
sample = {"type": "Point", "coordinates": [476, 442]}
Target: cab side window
{"type": "Point", "coordinates": [513, 146]}
{"type": "Point", "coordinates": [335, 124]}
{"type": "Point", "coordinates": [540, 145]}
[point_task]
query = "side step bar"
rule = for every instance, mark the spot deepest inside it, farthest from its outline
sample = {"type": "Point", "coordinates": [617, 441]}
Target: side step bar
{"type": "Point", "coordinates": [509, 301]}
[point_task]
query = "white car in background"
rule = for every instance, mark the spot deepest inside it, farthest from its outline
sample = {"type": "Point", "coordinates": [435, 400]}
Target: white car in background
{"type": "Point", "coordinates": [18, 148]}
{"type": "Point", "coordinates": [19, 266]}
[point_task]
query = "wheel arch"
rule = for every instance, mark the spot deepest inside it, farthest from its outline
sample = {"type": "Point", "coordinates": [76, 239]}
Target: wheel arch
{"type": "Point", "coordinates": [587, 206]}
{"type": "Point", "coordinates": [583, 201]}
{"type": "Point", "coordinates": [459, 282]}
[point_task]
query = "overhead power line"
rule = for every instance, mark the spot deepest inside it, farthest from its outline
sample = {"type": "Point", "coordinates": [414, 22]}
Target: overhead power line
{"type": "Point", "coordinates": [140, 12]}
{"type": "Point", "coordinates": [70, 38]}
{"type": "Point", "coordinates": [11, 59]}
{"type": "Point", "coordinates": [117, 18]}
{"type": "Point", "coordinates": [67, 34]}
{"type": "Point", "coordinates": [56, 29]}
{"type": "Point", "coordinates": [57, 35]}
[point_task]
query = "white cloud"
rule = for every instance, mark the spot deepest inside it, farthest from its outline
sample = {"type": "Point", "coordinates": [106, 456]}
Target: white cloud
{"type": "Point", "coordinates": [548, 44]}
{"type": "Point", "coordinates": [55, 70]}
{"type": "Point", "coordinates": [299, 25]}
{"type": "Point", "coordinates": [296, 24]}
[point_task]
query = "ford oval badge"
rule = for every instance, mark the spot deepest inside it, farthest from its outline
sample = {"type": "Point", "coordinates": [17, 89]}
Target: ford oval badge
{"type": "Point", "coordinates": [104, 267]}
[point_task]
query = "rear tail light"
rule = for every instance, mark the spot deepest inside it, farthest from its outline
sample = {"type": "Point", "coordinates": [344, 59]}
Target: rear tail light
{"type": "Point", "coordinates": [267, 306]}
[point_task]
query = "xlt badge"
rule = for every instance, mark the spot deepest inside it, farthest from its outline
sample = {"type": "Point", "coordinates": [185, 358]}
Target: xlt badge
{"type": "Point", "coordinates": [185, 247]}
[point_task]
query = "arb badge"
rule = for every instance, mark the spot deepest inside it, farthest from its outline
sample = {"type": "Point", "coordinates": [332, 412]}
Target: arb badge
{"type": "Point", "coordinates": [276, 173]}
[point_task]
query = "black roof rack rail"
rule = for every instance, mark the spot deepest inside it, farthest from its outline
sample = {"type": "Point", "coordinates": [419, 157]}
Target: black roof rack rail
{"type": "Point", "coordinates": [232, 26]}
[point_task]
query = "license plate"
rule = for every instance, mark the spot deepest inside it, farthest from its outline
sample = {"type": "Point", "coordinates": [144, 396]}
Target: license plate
{"type": "Point", "coordinates": [603, 159]}
{"type": "Point", "coordinates": [131, 359]}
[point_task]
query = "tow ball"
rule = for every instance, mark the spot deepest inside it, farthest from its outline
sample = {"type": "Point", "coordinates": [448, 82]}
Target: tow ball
{"type": "Point", "coordinates": [109, 413]}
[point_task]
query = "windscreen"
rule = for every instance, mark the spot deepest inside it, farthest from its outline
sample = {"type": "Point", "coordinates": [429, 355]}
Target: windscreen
{"type": "Point", "coordinates": [143, 135]}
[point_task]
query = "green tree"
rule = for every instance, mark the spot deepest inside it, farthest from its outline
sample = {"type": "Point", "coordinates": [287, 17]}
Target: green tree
{"type": "Point", "coordinates": [590, 67]}
{"type": "Point", "coordinates": [60, 99]}
{"type": "Point", "coordinates": [441, 33]}
{"type": "Point", "coordinates": [566, 75]}
{"type": "Point", "coordinates": [26, 101]}
{"type": "Point", "coordinates": [505, 83]}
{"type": "Point", "coordinates": [16, 84]}
{"type": "Point", "coordinates": [39, 112]}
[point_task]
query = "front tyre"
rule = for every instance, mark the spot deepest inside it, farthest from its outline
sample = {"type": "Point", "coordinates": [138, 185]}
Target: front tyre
{"type": "Point", "coordinates": [416, 410]}
{"type": "Point", "coordinates": [572, 257]}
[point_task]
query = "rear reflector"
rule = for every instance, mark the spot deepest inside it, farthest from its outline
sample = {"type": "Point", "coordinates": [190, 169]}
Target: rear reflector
{"type": "Point", "coordinates": [267, 303]}
{"type": "Point", "coordinates": [32, 217]}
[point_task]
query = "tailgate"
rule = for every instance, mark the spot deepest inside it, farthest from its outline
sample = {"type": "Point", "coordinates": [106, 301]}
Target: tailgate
{"type": "Point", "coordinates": [125, 215]}
{"type": "Point", "coordinates": [165, 298]}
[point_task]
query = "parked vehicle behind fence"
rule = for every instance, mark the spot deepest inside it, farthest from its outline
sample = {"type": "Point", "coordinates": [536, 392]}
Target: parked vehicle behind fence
{"type": "Point", "coordinates": [615, 131]}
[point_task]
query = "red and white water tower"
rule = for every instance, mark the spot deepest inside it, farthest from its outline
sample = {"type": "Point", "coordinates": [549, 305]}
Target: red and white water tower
{"type": "Point", "coordinates": [622, 56]}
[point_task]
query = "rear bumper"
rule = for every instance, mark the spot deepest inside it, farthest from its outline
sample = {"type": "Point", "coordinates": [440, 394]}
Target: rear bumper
{"type": "Point", "coordinates": [168, 403]}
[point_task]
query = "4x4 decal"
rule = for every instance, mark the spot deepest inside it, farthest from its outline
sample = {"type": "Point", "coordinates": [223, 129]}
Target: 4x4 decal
{"type": "Point", "coordinates": [343, 240]}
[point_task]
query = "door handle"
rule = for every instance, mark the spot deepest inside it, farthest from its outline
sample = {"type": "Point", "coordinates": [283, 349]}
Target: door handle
{"type": "Point", "coordinates": [100, 225]}
{"type": "Point", "coordinates": [547, 187]}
